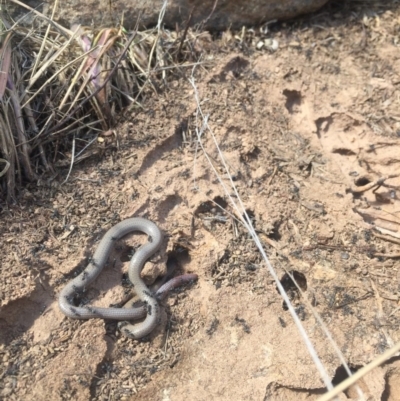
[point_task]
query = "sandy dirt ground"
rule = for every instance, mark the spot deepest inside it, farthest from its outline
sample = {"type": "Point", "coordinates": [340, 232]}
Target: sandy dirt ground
{"type": "Point", "coordinates": [306, 131]}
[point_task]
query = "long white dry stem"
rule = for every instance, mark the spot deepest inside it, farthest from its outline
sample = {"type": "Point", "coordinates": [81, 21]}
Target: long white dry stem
{"type": "Point", "coordinates": [72, 161]}
{"type": "Point", "coordinates": [360, 373]}
{"type": "Point", "coordinates": [328, 335]}
{"type": "Point", "coordinates": [159, 26]}
{"type": "Point", "coordinates": [243, 216]}
{"type": "Point", "coordinates": [42, 46]}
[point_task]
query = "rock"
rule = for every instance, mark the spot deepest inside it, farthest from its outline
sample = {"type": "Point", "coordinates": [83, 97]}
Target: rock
{"type": "Point", "coordinates": [226, 14]}
{"type": "Point", "coordinates": [324, 273]}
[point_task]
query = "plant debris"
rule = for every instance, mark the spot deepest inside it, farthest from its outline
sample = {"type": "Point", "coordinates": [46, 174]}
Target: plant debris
{"type": "Point", "coordinates": [62, 89]}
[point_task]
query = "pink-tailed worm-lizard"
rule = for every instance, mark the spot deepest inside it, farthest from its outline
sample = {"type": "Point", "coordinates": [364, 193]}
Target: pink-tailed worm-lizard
{"type": "Point", "coordinates": [150, 308]}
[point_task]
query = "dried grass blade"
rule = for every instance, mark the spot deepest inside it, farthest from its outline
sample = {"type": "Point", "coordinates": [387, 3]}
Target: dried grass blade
{"type": "Point", "coordinates": [54, 76]}
{"type": "Point", "coordinates": [86, 44]}
{"type": "Point", "coordinates": [104, 35]}
{"type": "Point", "coordinates": [159, 31]}
{"type": "Point", "coordinates": [95, 72]}
{"type": "Point", "coordinates": [99, 111]}
{"type": "Point", "coordinates": [9, 151]}
{"type": "Point", "coordinates": [5, 169]}
{"type": "Point", "coordinates": [133, 59]}
{"type": "Point", "coordinates": [102, 44]}
{"type": "Point", "coordinates": [75, 79]}
{"type": "Point", "coordinates": [47, 64]}
{"type": "Point", "coordinates": [83, 102]}
{"type": "Point", "coordinates": [106, 42]}
{"type": "Point", "coordinates": [66, 32]}
{"type": "Point", "coordinates": [5, 63]}
{"type": "Point", "coordinates": [68, 128]}
{"type": "Point", "coordinates": [39, 56]}
{"type": "Point", "coordinates": [19, 121]}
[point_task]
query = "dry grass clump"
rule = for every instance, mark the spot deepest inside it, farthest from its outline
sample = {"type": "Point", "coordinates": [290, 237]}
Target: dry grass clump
{"type": "Point", "coordinates": [60, 88]}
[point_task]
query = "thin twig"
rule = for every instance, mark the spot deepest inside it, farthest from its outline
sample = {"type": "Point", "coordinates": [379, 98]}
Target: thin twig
{"type": "Point", "coordinates": [39, 55]}
{"type": "Point", "coordinates": [5, 169]}
{"type": "Point", "coordinates": [326, 332]}
{"type": "Point", "coordinates": [185, 32]}
{"type": "Point", "coordinates": [66, 32]}
{"type": "Point", "coordinates": [246, 221]}
{"type": "Point", "coordinates": [360, 373]}
{"type": "Point", "coordinates": [84, 101]}
{"type": "Point", "coordinates": [387, 255]}
{"type": "Point", "coordinates": [87, 145]}
{"type": "Point", "coordinates": [72, 161]}
{"type": "Point", "coordinates": [387, 238]}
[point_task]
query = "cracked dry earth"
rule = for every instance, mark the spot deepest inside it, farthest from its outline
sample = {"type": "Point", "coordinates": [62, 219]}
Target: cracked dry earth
{"type": "Point", "coordinates": [303, 130]}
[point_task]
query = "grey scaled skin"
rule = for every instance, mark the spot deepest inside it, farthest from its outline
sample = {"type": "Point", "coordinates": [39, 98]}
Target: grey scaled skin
{"type": "Point", "coordinates": [150, 308]}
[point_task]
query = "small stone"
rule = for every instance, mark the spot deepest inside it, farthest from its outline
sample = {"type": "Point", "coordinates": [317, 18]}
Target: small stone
{"type": "Point", "coordinates": [271, 44]}
{"type": "Point", "coordinates": [324, 273]}
{"type": "Point", "coordinates": [6, 391]}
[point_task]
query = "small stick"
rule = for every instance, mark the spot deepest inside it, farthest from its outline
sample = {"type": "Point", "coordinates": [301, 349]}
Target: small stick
{"type": "Point", "coordinates": [388, 255]}
{"type": "Point", "coordinates": [272, 175]}
{"type": "Point", "coordinates": [66, 32]}
{"type": "Point", "coordinates": [100, 87]}
{"type": "Point", "coordinates": [5, 168]}
{"type": "Point", "coordinates": [185, 31]}
{"type": "Point", "coordinates": [360, 373]}
{"type": "Point", "coordinates": [387, 238]}
{"type": "Point", "coordinates": [72, 161]}
{"type": "Point", "coordinates": [204, 22]}
{"type": "Point", "coordinates": [388, 232]}
{"type": "Point", "coordinates": [377, 183]}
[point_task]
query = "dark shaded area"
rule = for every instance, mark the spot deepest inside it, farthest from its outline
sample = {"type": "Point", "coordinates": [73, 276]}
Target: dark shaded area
{"type": "Point", "coordinates": [218, 205]}
{"type": "Point", "coordinates": [235, 67]}
{"type": "Point", "coordinates": [344, 152]}
{"type": "Point", "coordinates": [213, 327]}
{"type": "Point", "coordinates": [392, 378]}
{"type": "Point", "coordinates": [242, 322]}
{"type": "Point", "coordinates": [323, 124]}
{"type": "Point", "coordinates": [361, 181]}
{"type": "Point", "coordinates": [275, 234]}
{"type": "Point", "coordinates": [289, 281]}
{"type": "Point", "coordinates": [293, 100]}
{"type": "Point", "coordinates": [275, 391]}
{"type": "Point", "coordinates": [18, 316]}
{"type": "Point", "coordinates": [341, 375]}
